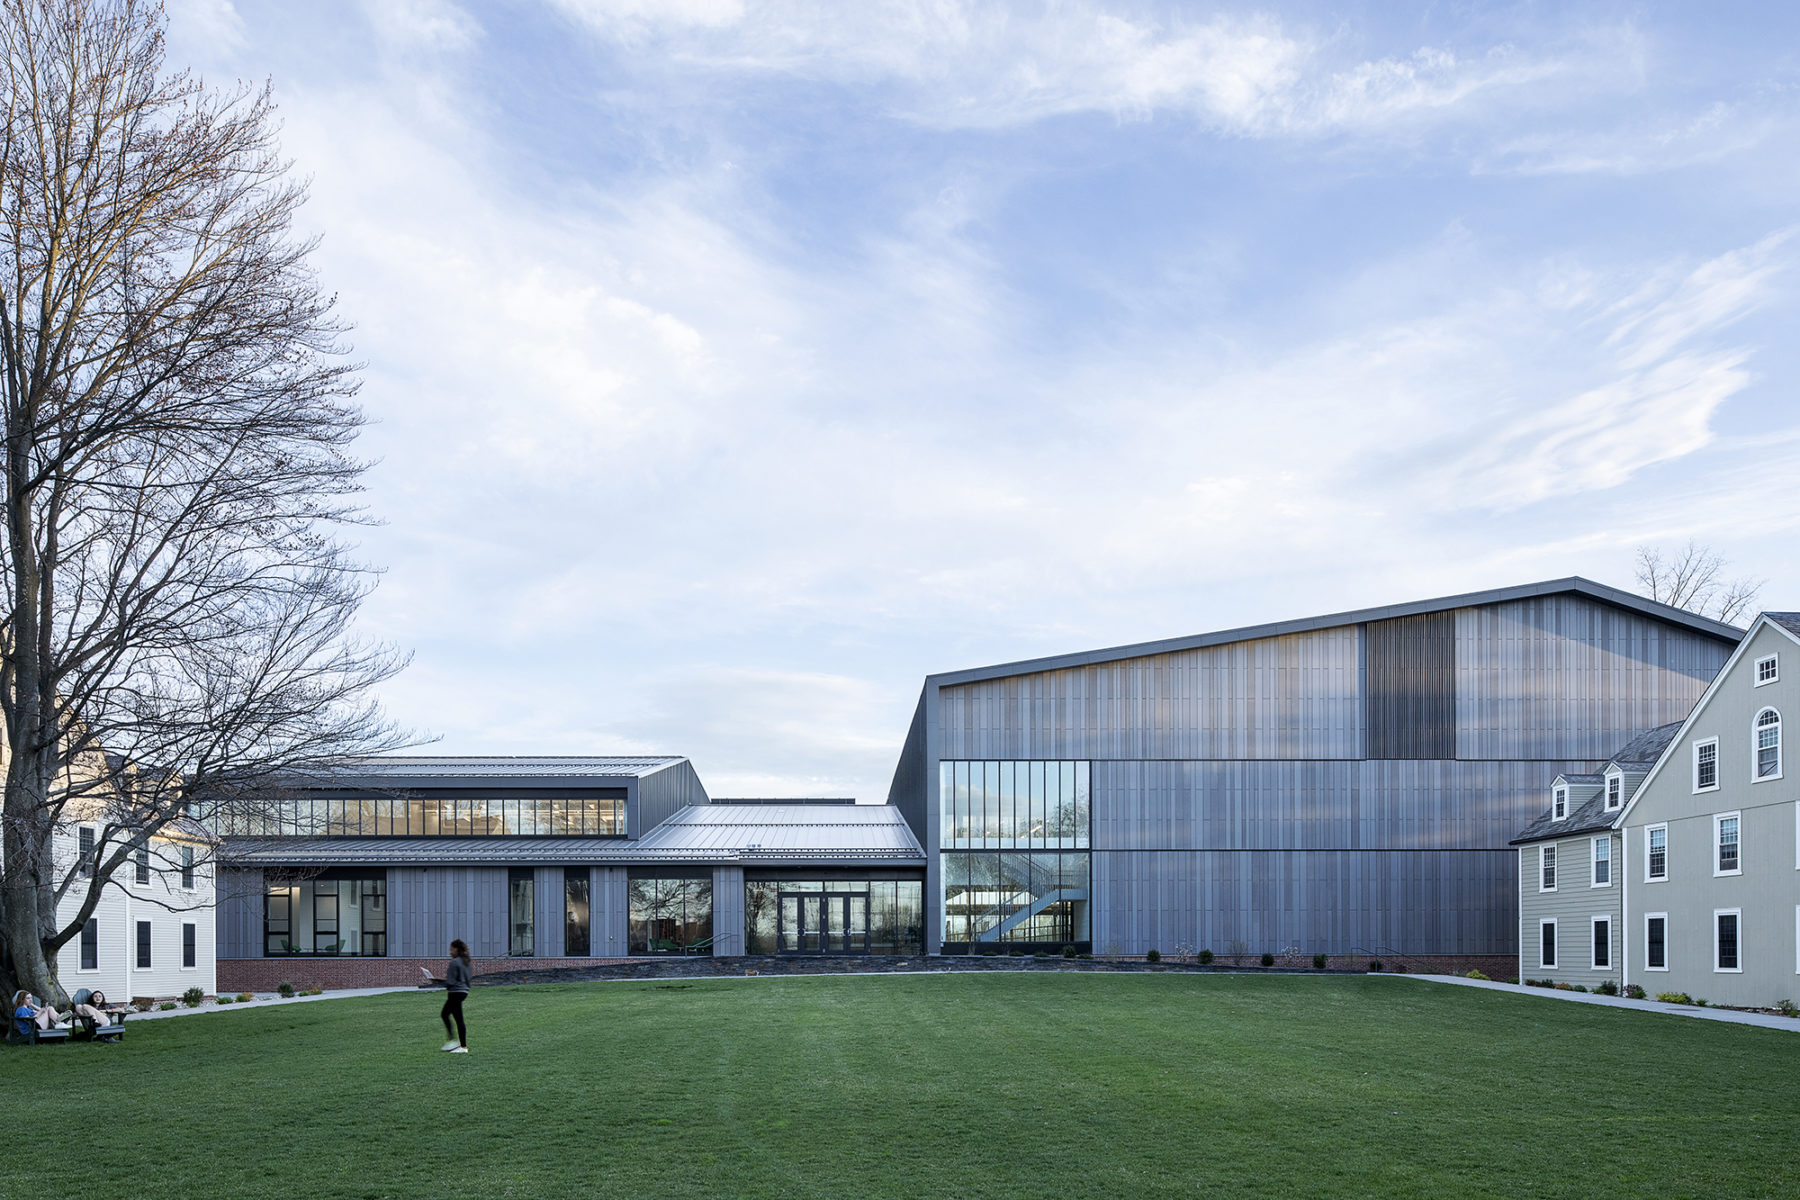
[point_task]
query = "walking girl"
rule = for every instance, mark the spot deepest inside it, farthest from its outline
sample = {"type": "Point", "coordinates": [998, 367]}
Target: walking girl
{"type": "Point", "coordinates": [456, 983]}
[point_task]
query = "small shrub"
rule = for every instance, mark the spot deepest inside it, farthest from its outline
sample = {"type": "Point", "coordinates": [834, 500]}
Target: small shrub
{"type": "Point", "coordinates": [1206, 957]}
{"type": "Point", "coordinates": [1319, 961]}
{"type": "Point", "coordinates": [245, 997]}
{"type": "Point", "coordinates": [1475, 975]}
{"type": "Point", "coordinates": [1580, 987]}
{"type": "Point", "coordinates": [1543, 983]}
{"type": "Point", "coordinates": [1068, 952]}
{"type": "Point", "coordinates": [1634, 992]}
{"type": "Point", "coordinates": [1606, 988]}
{"type": "Point", "coordinates": [1512, 979]}
{"type": "Point", "coordinates": [1674, 997]}
{"type": "Point", "coordinates": [166, 1006]}
{"type": "Point", "coordinates": [1788, 1008]}
{"type": "Point", "coordinates": [224, 1000]}
{"type": "Point", "coordinates": [192, 997]}
{"type": "Point", "coordinates": [1268, 960]}
{"type": "Point", "coordinates": [1084, 954]}
{"type": "Point", "coordinates": [285, 989]}
{"type": "Point", "coordinates": [1040, 954]}
{"type": "Point", "coordinates": [1153, 955]}
{"type": "Point", "coordinates": [1563, 986]}
{"type": "Point", "coordinates": [313, 992]}
{"type": "Point", "coordinates": [1374, 964]}
{"type": "Point", "coordinates": [1400, 968]}
{"type": "Point", "coordinates": [1699, 1002]}
{"type": "Point", "coordinates": [1015, 954]}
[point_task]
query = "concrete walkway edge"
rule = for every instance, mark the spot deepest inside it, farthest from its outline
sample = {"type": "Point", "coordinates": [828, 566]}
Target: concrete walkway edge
{"type": "Point", "coordinates": [1729, 1016]}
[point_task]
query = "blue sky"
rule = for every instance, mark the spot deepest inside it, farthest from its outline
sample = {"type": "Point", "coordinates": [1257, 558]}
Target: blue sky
{"type": "Point", "coordinates": [733, 366]}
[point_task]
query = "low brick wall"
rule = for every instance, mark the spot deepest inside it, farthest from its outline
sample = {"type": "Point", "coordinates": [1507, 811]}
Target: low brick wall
{"type": "Point", "coordinates": [266, 974]}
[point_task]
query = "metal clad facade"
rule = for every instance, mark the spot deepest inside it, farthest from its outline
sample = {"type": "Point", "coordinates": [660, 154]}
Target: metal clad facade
{"type": "Point", "coordinates": [240, 914]}
{"type": "Point", "coordinates": [1341, 790]}
{"type": "Point", "coordinates": [728, 910]}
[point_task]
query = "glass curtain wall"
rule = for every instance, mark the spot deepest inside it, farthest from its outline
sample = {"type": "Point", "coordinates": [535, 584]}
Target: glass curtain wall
{"type": "Point", "coordinates": [575, 912]}
{"type": "Point", "coordinates": [341, 917]}
{"type": "Point", "coordinates": [1014, 839]}
{"type": "Point", "coordinates": [520, 895]}
{"type": "Point", "coordinates": [836, 916]}
{"type": "Point", "coordinates": [600, 814]}
{"type": "Point", "coordinates": [667, 915]}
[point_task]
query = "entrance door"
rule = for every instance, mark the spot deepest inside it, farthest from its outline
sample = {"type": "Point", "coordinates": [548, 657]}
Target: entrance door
{"type": "Point", "coordinates": [810, 924]}
{"type": "Point", "coordinates": [832, 923]}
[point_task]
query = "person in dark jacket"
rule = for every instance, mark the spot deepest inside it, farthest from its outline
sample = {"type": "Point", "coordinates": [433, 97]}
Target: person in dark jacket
{"type": "Point", "coordinates": [456, 983]}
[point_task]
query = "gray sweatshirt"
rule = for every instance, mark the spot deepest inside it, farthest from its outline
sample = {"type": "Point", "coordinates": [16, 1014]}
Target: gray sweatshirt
{"type": "Point", "coordinates": [456, 978]}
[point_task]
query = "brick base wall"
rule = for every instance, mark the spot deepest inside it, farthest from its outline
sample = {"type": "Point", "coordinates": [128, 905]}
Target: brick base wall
{"type": "Point", "coordinates": [266, 974]}
{"type": "Point", "coordinates": [1417, 964]}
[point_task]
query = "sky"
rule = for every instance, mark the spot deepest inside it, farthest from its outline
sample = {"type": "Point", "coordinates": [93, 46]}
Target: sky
{"type": "Point", "coordinates": [732, 366]}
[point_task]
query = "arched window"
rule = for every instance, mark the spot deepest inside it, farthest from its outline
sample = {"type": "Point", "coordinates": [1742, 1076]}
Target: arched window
{"type": "Point", "coordinates": [1768, 744]}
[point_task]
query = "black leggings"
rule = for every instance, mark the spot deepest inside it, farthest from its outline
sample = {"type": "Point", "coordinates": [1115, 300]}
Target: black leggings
{"type": "Point", "coordinates": [453, 1008]}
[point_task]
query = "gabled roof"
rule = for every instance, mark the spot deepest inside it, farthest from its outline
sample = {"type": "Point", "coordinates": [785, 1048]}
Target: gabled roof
{"type": "Point", "coordinates": [1788, 623]}
{"type": "Point", "coordinates": [1573, 585]}
{"type": "Point", "coordinates": [1644, 749]}
{"type": "Point", "coordinates": [1591, 815]}
{"type": "Point", "coordinates": [449, 771]}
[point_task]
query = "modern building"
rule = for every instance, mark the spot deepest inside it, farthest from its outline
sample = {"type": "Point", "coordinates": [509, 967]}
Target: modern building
{"type": "Point", "coordinates": [1572, 870]}
{"type": "Point", "coordinates": [1346, 784]}
{"type": "Point", "coordinates": [552, 862]}
{"type": "Point", "coordinates": [1711, 839]}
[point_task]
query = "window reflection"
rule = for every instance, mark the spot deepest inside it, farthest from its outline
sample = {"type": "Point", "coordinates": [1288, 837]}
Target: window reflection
{"type": "Point", "coordinates": [567, 815]}
{"type": "Point", "coordinates": [669, 915]}
{"type": "Point", "coordinates": [1011, 897]}
{"type": "Point", "coordinates": [1003, 805]}
{"type": "Point", "coordinates": [835, 916]}
{"type": "Point", "coordinates": [341, 916]}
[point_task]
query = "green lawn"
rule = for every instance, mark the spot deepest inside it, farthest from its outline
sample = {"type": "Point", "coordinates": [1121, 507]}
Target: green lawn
{"type": "Point", "coordinates": [1030, 1085]}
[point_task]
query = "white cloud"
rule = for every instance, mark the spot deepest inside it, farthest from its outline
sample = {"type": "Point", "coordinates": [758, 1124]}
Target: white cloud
{"type": "Point", "coordinates": [212, 23]}
{"type": "Point", "coordinates": [974, 65]}
{"type": "Point", "coordinates": [434, 25]}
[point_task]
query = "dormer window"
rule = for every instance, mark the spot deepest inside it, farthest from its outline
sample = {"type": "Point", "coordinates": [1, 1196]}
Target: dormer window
{"type": "Point", "coordinates": [1615, 792]}
{"type": "Point", "coordinates": [1768, 669]}
{"type": "Point", "coordinates": [1559, 803]}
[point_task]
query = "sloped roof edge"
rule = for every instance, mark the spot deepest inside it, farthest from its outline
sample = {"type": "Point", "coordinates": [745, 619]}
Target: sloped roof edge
{"type": "Point", "coordinates": [1573, 584]}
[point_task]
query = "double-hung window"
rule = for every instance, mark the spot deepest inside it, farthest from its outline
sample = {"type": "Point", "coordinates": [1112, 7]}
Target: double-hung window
{"type": "Point", "coordinates": [1726, 955]}
{"type": "Point", "coordinates": [1615, 792]}
{"type": "Point", "coordinates": [143, 945]}
{"type": "Point", "coordinates": [188, 940]}
{"type": "Point", "coordinates": [1768, 670]}
{"type": "Point", "coordinates": [142, 858]}
{"type": "Point", "coordinates": [1602, 862]}
{"type": "Point", "coordinates": [187, 868]}
{"type": "Point", "coordinates": [1656, 853]}
{"type": "Point", "coordinates": [1559, 803]}
{"type": "Point", "coordinates": [1602, 943]}
{"type": "Point", "coordinates": [1547, 868]}
{"type": "Point", "coordinates": [1726, 858]}
{"type": "Point", "coordinates": [1656, 941]}
{"type": "Point", "coordinates": [90, 945]}
{"type": "Point", "coordinates": [1768, 744]}
{"type": "Point", "coordinates": [84, 841]}
{"type": "Point", "coordinates": [1706, 765]}
{"type": "Point", "coordinates": [1547, 943]}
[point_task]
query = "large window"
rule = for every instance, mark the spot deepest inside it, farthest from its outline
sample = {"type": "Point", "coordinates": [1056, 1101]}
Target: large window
{"type": "Point", "coordinates": [669, 915]}
{"type": "Point", "coordinates": [833, 916]}
{"type": "Point", "coordinates": [334, 915]}
{"type": "Point", "coordinates": [575, 912]}
{"type": "Point", "coordinates": [1768, 744]}
{"type": "Point", "coordinates": [520, 896]}
{"type": "Point", "coordinates": [1008, 898]}
{"type": "Point", "coordinates": [1030, 805]}
{"type": "Point", "coordinates": [597, 813]}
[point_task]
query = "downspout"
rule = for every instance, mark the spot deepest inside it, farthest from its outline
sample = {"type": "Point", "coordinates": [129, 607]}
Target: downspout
{"type": "Point", "coordinates": [1624, 915]}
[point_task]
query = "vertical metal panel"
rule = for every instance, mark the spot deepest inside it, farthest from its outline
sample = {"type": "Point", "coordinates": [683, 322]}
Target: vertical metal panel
{"type": "Point", "coordinates": [607, 923]}
{"type": "Point", "coordinates": [428, 907]}
{"type": "Point", "coordinates": [240, 913]}
{"type": "Point", "coordinates": [728, 910]}
{"type": "Point", "coordinates": [1285, 697]}
{"type": "Point", "coordinates": [1409, 672]}
{"type": "Point", "coordinates": [907, 792]}
{"type": "Point", "coordinates": [549, 916]}
{"type": "Point", "coordinates": [1562, 676]}
{"type": "Point", "coordinates": [662, 794]}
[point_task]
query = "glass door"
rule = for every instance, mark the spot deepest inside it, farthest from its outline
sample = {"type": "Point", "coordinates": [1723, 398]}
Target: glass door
{"type": "Point", "coordinates": [810, 911]}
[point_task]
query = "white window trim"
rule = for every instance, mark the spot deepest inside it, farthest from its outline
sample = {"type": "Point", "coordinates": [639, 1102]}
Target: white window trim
{"type": "Point", "coordinates": [1796, 939]}
{"type": "Point", "coordinates": [1728, 912]}
{"type": "Point", "coordinates": [1556, 867]}
{"type": "Point", "coordinates": [1664, 918]}
{"type": "Point", "coordinates": [1718, 820]}
{"type": "Point", "coordinates": [95, 969]}
{"type": "Point", "coordinates": [1594, 861]}
{"type": "Point", "coordinates": [1555, 940]}
{"type": "Point", "coordinates": [131, 953]}
{"type": "Point", "coordinates": [1664, 877]}
{"type": "Point", "coordinates": [1694, 772]}
{"type": "Point", "coordinates": [1617, 777]}
{"type": "Point", "coordinates": [1607, 921]}
{"type": "Point", "coordinates": [196, 966]}
{"type": "Point", "coordinates": [190, 868]}
{"type": "Point", "coordinates": [1559, 804]}
{"type": "Point", "coordinates": [1756, 679]}
{"type": "Point", "coordinates": [1780, 745]}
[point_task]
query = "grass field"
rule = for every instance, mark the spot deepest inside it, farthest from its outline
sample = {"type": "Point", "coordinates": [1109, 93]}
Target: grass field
{"type": "Point", "coordinates": [1043, 1085]}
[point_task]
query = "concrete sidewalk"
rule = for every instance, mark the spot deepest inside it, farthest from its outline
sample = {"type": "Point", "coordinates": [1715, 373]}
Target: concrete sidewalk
{"type": "Point", "coordinates": [265, 1001]}
{"type": "Point", "coordinates": [1730, 1016]}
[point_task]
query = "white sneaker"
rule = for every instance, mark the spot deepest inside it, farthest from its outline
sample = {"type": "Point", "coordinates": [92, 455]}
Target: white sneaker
{"type": "Point", "coordinates": [448, 1046]}
{"type": "Point", "coordinates": [460, 1050]}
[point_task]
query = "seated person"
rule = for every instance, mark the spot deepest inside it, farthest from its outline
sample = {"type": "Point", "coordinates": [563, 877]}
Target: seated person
{"type": "Point", "coordinates": [28, 1006]}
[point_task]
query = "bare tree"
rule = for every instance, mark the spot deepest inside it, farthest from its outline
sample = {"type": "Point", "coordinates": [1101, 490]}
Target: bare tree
{"type": "Point", "coordinates": [1689, 579]}
{"type": "Point", "coordinates": [177, 414]}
